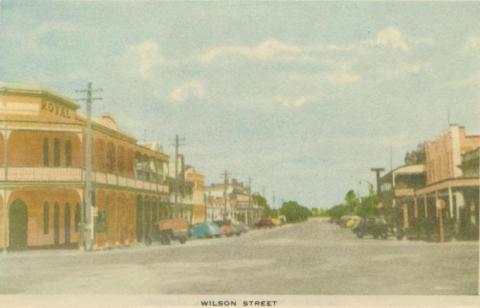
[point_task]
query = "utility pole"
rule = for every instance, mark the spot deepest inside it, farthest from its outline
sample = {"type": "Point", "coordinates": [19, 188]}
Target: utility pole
{"type": "Point", "coordinates": [273, 200]}
{"type": "Point", "coordinates": [87, 209]}
{"type": "Point", "coordinates": [5, 191]}
{"type": "Point", "coordinates": [225, 183]}
{"type": "Point", "coordinates": [179, 141]}
{"type": "Point", "coordinates": [249, 212]}
{"type": "Point", "coordinates": [391, 158]}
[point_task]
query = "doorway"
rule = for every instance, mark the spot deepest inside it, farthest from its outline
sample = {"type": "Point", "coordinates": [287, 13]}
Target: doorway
{"type": "Point", "coordinates": [56, 225]}
{"type": "Point", "coordinates": [18, 224]}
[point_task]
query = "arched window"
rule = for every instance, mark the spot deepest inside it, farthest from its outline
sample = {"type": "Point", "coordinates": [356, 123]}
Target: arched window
{"type": "Point", "coordinates": [45, 152]}
{"type": "Point", "coordinates": [45, 218]}
{"type": "Point", "coordinates": [56, 152]}
{"type": "Point", "coordinates": [68, 153]}
{"type": "Point", "coordinates": [99, 155]}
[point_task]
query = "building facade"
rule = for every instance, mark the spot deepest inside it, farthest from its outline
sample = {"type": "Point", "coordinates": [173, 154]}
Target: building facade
{"type": "Point", "coordinates": [42, 176]}
{"type": "Point", "coordinates": [447, 205]}
{"type": "Point", "coordinates": [198, 194]}
{"type": "Point", "coordinates": [232, 201]}
{"type": "Point", "coordinates": [181, 190]}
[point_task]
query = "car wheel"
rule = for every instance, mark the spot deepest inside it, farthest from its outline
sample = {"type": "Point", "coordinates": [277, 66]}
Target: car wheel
{"type": "Point", "coordinates": [183, 240]}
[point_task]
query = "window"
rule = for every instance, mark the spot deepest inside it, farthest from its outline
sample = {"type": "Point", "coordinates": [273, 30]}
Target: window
{"type": "Point", "coordinates": [68, 153]}
{"type": "Point", "coordinates": [45, 218]}
{"type": "Point", "coordinates": [99, 155]}
{"type": "Point", "coordinates": [45, 152]}
{"type": "Point", "coordinates": [56, 152]}
{"type": "Point", "coordinates": [111, 158]}
{"type": "Point", "coordinates": [121, 159]}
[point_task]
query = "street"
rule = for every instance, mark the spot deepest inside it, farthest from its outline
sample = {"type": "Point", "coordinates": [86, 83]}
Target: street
{"type": "Point", "coordinates": [314, 257]}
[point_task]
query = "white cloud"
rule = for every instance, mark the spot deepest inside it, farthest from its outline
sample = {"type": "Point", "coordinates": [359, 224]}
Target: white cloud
{"type": "Point", "coordinates": [267, 50]}
{"type": "Point", "coordinates": [342, 77]}
{"type": "Point", "coordinates": [192, 89]}
{"type": "Point", "coordinates": [275, 50]}
{"type": "Point", "coordinates": [286, 101]}
{"type": "Point", "coordinates": [393, 38]}
{"type": "Point", "coordinates": [472, 45]}
{"type": "Point", "coordinates": [145, 56]}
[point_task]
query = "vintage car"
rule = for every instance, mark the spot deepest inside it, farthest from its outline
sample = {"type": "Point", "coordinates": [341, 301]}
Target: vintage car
{"type": "Point", "coordinates": [377, 227]}
{"type": "Point", "coordinates": [167, 230]}
{"type": "Point", "coordinates": [353, 222]}
{"type": "Point", "coordinates": [238, 228]}
{"type": "Point", "coordinates": [205, 230]}
{"type": "Point", "coordinates": [265, 223]}
{"type": "Point", "coordinates": [225, 227]}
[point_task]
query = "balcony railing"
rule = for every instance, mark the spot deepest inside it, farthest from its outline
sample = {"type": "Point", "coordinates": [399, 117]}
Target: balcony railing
{"type": "Point", "coordinates": [404, 192]}
{"type": "Point", "coordinates": [27, 174]}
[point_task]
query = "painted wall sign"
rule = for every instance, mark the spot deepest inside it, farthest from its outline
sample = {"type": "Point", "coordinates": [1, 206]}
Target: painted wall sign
{"type": "Point", "coordinates": [56, 109]}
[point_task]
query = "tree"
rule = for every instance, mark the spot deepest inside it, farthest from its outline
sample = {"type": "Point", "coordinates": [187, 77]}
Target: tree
{"type": "Point", "coordinates": [416, 156]}
{"type": "Point", "coordinates": [262, 202]}
{"type": "Point", "coordinates": [367, 205]}
{"type": "Point", "coordinates": [294, 212]}
{"type": "Point", "coordinates": [351, 201]}
{"type": "Point", "coordinates": [338, 211]}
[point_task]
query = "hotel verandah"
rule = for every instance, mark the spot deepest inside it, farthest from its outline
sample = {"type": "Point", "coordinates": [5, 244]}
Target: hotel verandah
{"type": "Point", "coordinates": [42, 175]}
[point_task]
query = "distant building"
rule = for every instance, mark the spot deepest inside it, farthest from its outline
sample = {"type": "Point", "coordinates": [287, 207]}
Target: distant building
{"type": "Point", "coordinates": [198, 194]}
{"type": "Point", "coordinates": [398, 192]}
{"type": "Point", "coordinates": [232, 202]}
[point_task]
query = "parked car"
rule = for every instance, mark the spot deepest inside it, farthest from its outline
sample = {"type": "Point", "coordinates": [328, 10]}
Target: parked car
{"type": "Point", "coordinates": [344, 219]}
{"type": "Point", "coordinates": [264, 223]}
{"type": "Point", "coordinates": [353, 222]}
{"type": "Point", "coordinates": [377, 227]}
{"type": "Point", "coordinates": [276, 221]}
{"type": "Point", "coordinates": [167, 230]}
{"type": "Point", "coordinates": [224, 226]}
{"type": "Point", "coordinates": [205, 230]}
{"type": "Point", "coordinates": [238, 228]}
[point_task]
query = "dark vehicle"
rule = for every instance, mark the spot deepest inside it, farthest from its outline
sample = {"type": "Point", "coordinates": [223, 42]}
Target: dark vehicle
{"type": "Point", "coordinates": [377, 227]}
{"type": "Point", "coordinates": [265, 223]}
{"type": "Point", "coordinates": [171, 229]}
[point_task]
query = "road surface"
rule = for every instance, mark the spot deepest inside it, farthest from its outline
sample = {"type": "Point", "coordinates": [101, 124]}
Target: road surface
{"type": "Point", "coordinates": [314, 257]}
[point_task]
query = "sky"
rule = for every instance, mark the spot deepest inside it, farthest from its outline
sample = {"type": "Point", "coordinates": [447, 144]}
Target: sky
{"type": "Point", "coordinates": [303, 97]}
